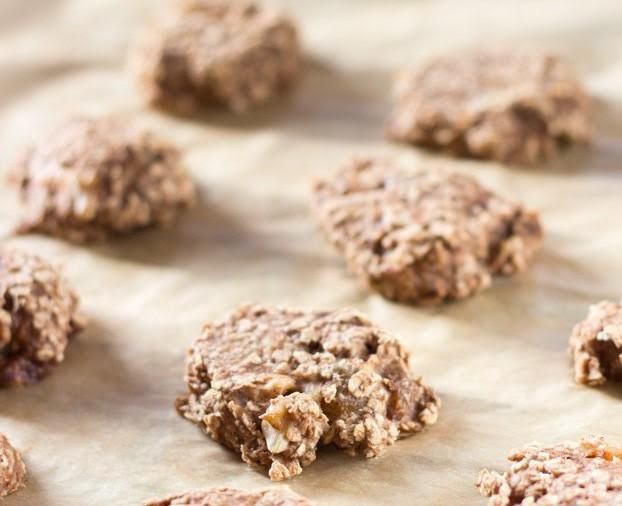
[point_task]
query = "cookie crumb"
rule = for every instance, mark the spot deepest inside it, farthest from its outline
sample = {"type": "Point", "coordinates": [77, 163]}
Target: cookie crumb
{"type": "Point", "coordinates": [596, 345]}
{"type": "Point", "coordinates": [231, 53]}
{"type": "Point", "coordinates": [97, 177]}
{"type": "Point", "coordinates": [423, 236]}
{"type": "Point", "coordinates": [506, 105]}
{"type": "Point", "coordinates": [588, 473]}
{"type": "Point", "coordinates": [273, 384]}
{"type": "Point", "coordinates": [38, 316]}
{"type": "Point", "coordinates": [222, 496]}
{"type": "Point", "coordinates": [12, 468]}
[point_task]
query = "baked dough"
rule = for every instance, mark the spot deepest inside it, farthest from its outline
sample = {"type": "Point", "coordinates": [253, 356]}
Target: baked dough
{"type": "Point", "coordinates": [588, 473]}
{"type": "Point", "coordinates": [12, 468]}
{"type": "Point", "coordinates": [596, 345]}
{"type": "Point", "coordinates": [97, 177]}
{"type": "Point", "coordinates": [272, 384]}
{"type": "Point", "coordinates": [221, 496]}
{"type": "Point", "coordinates": [231, 53]}
{"type": "Point", "coordinates": [38, 316]}
{"type": "Point", "coordinates": [423, 236]}
{"type": "Point", "coordinates": [506, 105]}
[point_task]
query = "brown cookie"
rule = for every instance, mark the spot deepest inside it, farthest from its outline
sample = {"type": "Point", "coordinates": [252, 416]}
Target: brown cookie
{"type": "Point", "coordinates": [568, 474]}
{"type": "Point", "coordinates": [221, 496]}
{"type": "Point", "coordinates": [38, 316]}
{"type": "Point", "coordinates": [511, 106]}
{"type": "Point", "coordinates": [596, 345]}
{"type": "Point", "coordinates": [12, 468]}
{"type": "Point", "coordinates": [273, 384]}
{"type": "Point", "coordinates": [230, 53]}
{"type": "Point", "coordinates": [423, 236]}
{"type": "Point", "coordinates": [93, 178]}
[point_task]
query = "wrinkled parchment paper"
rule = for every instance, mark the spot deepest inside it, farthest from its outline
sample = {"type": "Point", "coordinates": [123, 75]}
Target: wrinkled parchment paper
{"type": "Point", "coordinates": [101, 430]}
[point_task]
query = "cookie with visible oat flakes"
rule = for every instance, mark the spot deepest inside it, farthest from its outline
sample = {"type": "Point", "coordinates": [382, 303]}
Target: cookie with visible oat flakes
{"type": "Point", "coordinates": [12, 468]}
{"type": "Point", "coordinates": [222, 496]}
{"type": "Point", "coordinates": [423, 236]}
{"type": "Point", "coordinates": [231, 53]}
{"type": "Point", "coordinates": [508, 105]}
{"type": "Point", "coordinates": [273, 384]}
{"type": "Point", "coordinates": [596, 345]}
{"type": "Point", "coordinates": [38, 316]}
{"type": "Point", "coordinates": [93, 178]}
{"type": "Point", "coordinates": [588, 473]}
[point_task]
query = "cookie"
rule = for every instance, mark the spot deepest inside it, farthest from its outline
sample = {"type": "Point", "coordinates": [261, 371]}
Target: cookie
{"type": "Point", "coordinates": [97, 177]}
{"type": "Point", "coordinates": [229, 53]}
{"type": "Point", "coordinates": [423, 236]}
{"type": "Point", "coordinates": [510, 106]}
{"type": "Point", "coordinates": [38, 316]}
{"type": "Point", "coordinates": [12, 468]}
{"type": "Point", "coordinates": [221, 496]}
{"type": "Point", "coordinates": [596, 345]}
{"type": "Point", "coordinates": [588, 473]}
{"type": "Point", "coordinates": [273, 384]}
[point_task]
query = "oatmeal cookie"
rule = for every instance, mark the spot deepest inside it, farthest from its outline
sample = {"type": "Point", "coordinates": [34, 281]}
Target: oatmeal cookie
{"type": "Point", "coordinates": [511, 106]}
{"type": "Point", "coordinates": [93, 178]}
{"type": "Point", "coordinates": [272, 384]}
{"type": "Point", "coordinates": [231, 53]}
{"type": "Point", "coordinates": [12, 468]}
{"type": "Point", "coordinates": [588, 473]}
{"type": "Point", "coordinates": [423, 236]}
{"type": "Point", "coordinates": [38, 316]}
{"type": "Point", "coordinates": [221, 496]}
{"type": "Point", "coordinates": [596, 345]}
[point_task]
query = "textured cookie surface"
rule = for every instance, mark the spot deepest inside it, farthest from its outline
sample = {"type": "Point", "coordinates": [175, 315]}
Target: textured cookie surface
{"type": "Point", "coordinates": [423, 236]}
{"type": "Point", "coordinates": [596, 345]}
{"type": "Point", "coordinates": [273, 384]}
{"type": "Point", "coordinates": [568, 474]}
{"type": "Point", "coordinates": [38, 316]}
{"type": "Point", "coordinates": [222, 496]}
{"type": "Point", "coordinates": [96, 177]}
{"type": "Point", "coordinates": [12, 468]}
{"type": "Point", "coordinates": [512, 106]}
{"type": "Point", "coordinates": [231, 53]}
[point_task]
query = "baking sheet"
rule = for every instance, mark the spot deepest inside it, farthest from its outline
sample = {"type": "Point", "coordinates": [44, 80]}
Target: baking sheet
{"type": "Point", "coordinates": [101, 430]}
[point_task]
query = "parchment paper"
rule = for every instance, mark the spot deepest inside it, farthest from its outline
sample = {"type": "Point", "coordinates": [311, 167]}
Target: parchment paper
{"type": "Point", "coordinates": [101, 430]}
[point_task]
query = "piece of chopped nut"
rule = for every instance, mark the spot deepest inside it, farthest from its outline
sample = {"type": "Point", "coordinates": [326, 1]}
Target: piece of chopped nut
{"type": "Point", "coordinates": [596, 345]}
{"type": "Point", "coordinates": [512, 106]}
{"type": "Point", "coordinates": [232, 53]}
{"type": "Point", "coordinates": [38, 316]}
{"type": "Point", "coordinates": [221, 496]}
{"type": "Point", "coordinates": [292, 426]}
{"type": "Point", "coordinates": [568, 474]}
{"type": "Point", "coordinates": [423, 236]}
{"type": "Point", "coordinates": [12, 468]}
{"type": "Point", "coordinates": [321, 378]}
{"type": "Point", "coordinates": [97, 177]}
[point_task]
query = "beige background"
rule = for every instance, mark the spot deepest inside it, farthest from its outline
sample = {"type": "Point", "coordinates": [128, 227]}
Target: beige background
{"type": "Point", "coordinates": [101, 429]}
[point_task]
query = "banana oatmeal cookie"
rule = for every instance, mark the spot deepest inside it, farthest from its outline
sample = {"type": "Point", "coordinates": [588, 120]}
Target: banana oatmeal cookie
{"type": "Point", "coordinates": [588, 473]}
{"type": "Point", "coordinates": [273, 384]}
{"type": "Point", "coordinates": [596, 345]}
{"type": "Point", "coordinates": [12, 468]}
{"type": "Point", "coordinates": [93, 178]}
{"type": "Point", "coordinates": [38, 316]}
{"type": "Point", "coordinates": [221, 496]}
{"type": "Point", "coordinates": [511, 106]}
{"type": "Point", "coordinates": [423, 236]}
{"type": "Point", "coordinates": [231, 53]}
